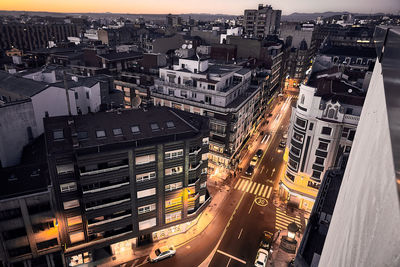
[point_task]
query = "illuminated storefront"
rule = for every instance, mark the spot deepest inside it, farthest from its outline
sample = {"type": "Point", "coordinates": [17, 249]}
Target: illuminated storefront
{"type": "Point", "coordinates": [124, 248]}
{"type": "Point", "coordinates": [174, 230]}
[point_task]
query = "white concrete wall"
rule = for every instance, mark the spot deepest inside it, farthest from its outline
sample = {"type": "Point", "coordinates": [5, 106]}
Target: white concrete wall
{"type": "Point", "coordinates": [54, 101]}
{"type": "Point", "coordinates": [364, 230]}
{"type": "Point", "coordinates": [14, 123]}
{"type": "Point", "coordinates": [94, 100]}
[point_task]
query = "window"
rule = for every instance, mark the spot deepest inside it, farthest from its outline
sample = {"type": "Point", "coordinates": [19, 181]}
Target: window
{"type": "Point", "coordinates": [145, 176]}
{"type": "Point", "coordinates": [174, 186]}
{"type": "Point", "coordinates": [311, 126]}
{"type": "Point", "coordinates": [351, 135]}
{"type": "Point", "coordinates": [204, 170]}
{"type": "Point", "coordinates": [301, 123]}
{"type": "Point", "coordinates": [174, 154]}
{"type": "Point", "coordinates": [293, 164]}
{"type": "Point", "coordinates": [302, 99]}
{"type": "Point", "coordinates": [170, 124]}
{"type": "Point", "coordinates": [76, 95]}
{"type": "Point", "coordinates": [323, 146]}
{"type": "Point", "coordinates": [71, 204]}
{"type": "Point", "coordinates": [170, 92]}
{"type": "Point", "coordinates": [154, 127]}
{"type": "Point", "coordinates": [147, 224]}
{"type": "Point", "coordinates": [145, 159]}
{"type": "Point", "coordinates": [174, 170]}
{"type": "Point", "coordinates": [207, 99]}
{"type": "Point", "coordinates": [117, 132]}
{"type": "Point", "coordinates": [326, 130]}
{"type": "Point", "coordinates": [65, 168]}
{"type": "Point", "coordinates": [100, 133]}
{"type": "Point", "coordinates": [319, 160]}
{"type": "Point", "coordinates": [87, 95]}
{"type": "Point", "coordinates": [147, 208]}
{"type": "Point", "coordinates": [58, 134]}
{"type": "Point", "coordinates": [194, 95]}
{"type": "Point", "coordinates": [211, 87]}
{"type": "Point", "coordinates": [171, 217]}
{"type": "Point", "coordinates": [290, 176]}
{"type": "Point", "coordinates": [135, 129]}
{"type": "Point", "coordinates": [183, 94]}
{"type": "Point", "coordinates": [205, 140]}
{"type": "Point", "coordinates": [146, 193]}
{"type": "Point", "coordinates": [82, 135]}
{"type": "Point", "coordinates": [202, 199]}
{"type": "Point", "coordinates": [74, 220]}
{"type": "Point", "coordinates": [76, 237]}
{"type": "Point", "coordinates": [316, 174]}
{"type": "Point", "coordinates": [295, 151]}
{"type": "Point", "coordinates": [173, 202]}
{"type": "Point", "coordinates": [298, 137]}
{"type": "Point", "coordinates": [68, 187]}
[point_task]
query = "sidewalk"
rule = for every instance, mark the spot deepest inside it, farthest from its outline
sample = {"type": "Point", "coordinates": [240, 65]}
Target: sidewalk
{"type": "Point", "coordinates": [279, 257]}
{"type": "Point", "coordinates": [218, 194]}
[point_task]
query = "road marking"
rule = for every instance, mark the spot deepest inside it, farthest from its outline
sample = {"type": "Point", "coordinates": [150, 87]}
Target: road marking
{"type": "Point", "coordinates": [241, 230]}
{"type": "Point", "coordinates": [251, 206]}
{"type": "Point", "coordinates": [240, 186]}
{"type": "Point", "coordinates": [261, 189]}
{"type": "Point", "coordinates": [237, 183]}
{"type": "Point", "coordinates": [269, 192]}
{"type": "Point", "coordinates": [245, 177]}
{"type": "Point", "coordinates": [245, 184]}
{"type": "Point", "coordinates": [262, 169]}
{"type": "Point", "coordinates": [262, 202]}
{"type": "Point", "coordinates": [230, 256]}
{"type": "Point", "coordinates": [265, 191]}
{"type": "Point", "coordinates": [229, 261]}
{"type": "Point", "coordinates": [255, 192]}
{"type": "Point", "coordinates": [266, 172]}
{"type": "Point", "coordinates": [248, 187]}
{"type": "Point", "coordinates": [252, 188]}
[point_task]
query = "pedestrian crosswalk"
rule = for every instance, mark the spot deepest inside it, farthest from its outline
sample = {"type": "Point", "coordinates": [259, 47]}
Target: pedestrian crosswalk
{"type": "Point", "coordinates": [283, 220]}
{"type": "Point", "coordinates": [254, 188]}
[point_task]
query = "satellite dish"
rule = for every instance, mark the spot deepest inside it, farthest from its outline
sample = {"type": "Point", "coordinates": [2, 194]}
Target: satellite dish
{"type": "Point", "coordinates": [190, 46]}
{"type": "Point", "coordinates": [136, 101]}
{"type": "Point", "coordinates": [184, 46]}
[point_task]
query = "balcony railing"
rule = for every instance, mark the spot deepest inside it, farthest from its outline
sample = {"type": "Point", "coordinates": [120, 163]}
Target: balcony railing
{"type": "Point", "coordinates": [196, 167]}
{"type": "Point", "coordinates": [105, 188]}
{"type": "Point", "coordinates": [104, 170]}
{"type": "Point", "coordinates": [351, 119]}
{"type": "Point", "coordinates": [110, 220]}
{"type": "Point", "coordinates": [108, 204]}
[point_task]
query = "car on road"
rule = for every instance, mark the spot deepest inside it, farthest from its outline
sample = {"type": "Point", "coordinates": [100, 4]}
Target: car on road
{"type": "Point", "coordinates": [266, 241]}
{"type": "Point", "coordinates": [261, 258]}
{"type": "Point", "coordinates": [161, 253]}
{"type": "Point", "coordinates": [254, 160]}
{"type": "Point", "coordinates": [250, 170]}
{"type": "Point", "coordinates": [259, 153]}
{"type": "Point", "coordinates": [282, 143]}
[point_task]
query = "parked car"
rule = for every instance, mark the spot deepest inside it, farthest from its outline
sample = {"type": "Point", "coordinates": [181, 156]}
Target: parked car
{"type": "Point", "coordinates": [259, 153]}
{"type": "Point", "coordinates": [250, 170]}
{"type": "Point", "coordinates": [161, 253]}
{"type": "Point", "coordinates": [261, 258]}
{"type": "Point", "coordinates": [282, 144]}
{"type": "Point", "coordinates": [254, 160]}
{"type": "Point", "coordinates": [266, 241]}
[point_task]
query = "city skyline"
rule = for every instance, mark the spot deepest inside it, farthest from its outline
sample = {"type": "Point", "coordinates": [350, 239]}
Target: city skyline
{"type": "Point", "coordinates": [219, 7]}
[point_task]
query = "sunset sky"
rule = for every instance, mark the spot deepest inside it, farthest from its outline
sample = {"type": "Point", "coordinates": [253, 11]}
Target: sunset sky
{"type": "Point", "coordinates": [234, 7]}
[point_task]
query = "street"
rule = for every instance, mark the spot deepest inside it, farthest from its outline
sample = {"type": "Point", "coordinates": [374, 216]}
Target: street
{"type": "Point", "coordinates": [251, 207]}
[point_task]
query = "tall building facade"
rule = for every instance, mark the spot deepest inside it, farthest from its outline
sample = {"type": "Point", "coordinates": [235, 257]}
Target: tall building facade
{"type": "Point", "coordinates": [364, 230]}
{"type": "Point", "coordinates": [220, 92]}
{"type": "Point", "coordinates": [258, 23]}
{"type": "Point", "coordinates": [125, 178]}
{"type": "Point", "coordinates": [322, 128]}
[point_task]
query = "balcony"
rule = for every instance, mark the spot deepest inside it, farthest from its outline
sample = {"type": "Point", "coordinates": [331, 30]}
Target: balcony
{"type": "Point", "coordinates": [351, 119]}
{"type": "Point", "coordinates": [105, 188]}
{"type": "Point", "coordinates": [104, 170]}
{"type": "Point", "coordinates": [193, 168]}
{"type": "Point", "coordinates": [108, 204]}
{"type": "Point", "coordinates": [110, 220]}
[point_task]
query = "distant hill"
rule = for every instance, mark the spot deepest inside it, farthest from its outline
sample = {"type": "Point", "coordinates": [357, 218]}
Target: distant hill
{"type": "Point", "coordinates": [313, 16]}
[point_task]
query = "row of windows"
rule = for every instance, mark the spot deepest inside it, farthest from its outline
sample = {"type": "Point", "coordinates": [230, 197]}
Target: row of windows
{"type": "Point", "coordinates": [174, 216]}
{"type": "Point", "coordinates": [174, 186]}
{"type": "Point", "coordinates": [146, 208]}
{"type": "Point", "coordinates": [174, 154]}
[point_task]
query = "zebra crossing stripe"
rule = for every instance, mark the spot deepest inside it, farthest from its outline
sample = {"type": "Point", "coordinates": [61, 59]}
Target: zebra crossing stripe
{"type": "Point", "coordinates": [265, 191]}
{"type": "Point", "coordinates": [258, 186]}
{"type": "Point", "coordinates": [261, 189]}
{"type": "Point", "coordinates": [252, 188]}
{"type": "Point", "coordinates": [244, 185]}
{"type": "Point", "coordinates": [248, 187]}
{"type": "Point", "coordinates": [237, 183]}
{"type": "Point", "coordinates": [241, 184]}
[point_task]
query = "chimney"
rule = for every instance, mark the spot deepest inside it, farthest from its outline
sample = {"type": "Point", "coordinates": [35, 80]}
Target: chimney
{"type": "Point", "coordinates": [66, 92]}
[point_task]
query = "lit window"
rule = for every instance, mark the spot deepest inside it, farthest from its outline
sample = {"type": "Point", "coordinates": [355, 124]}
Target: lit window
{"type": "Point", "coordinates": [76, 237]}
{"type": "Point", "coordinates": [145, 159]}
{"type": "Point", "coordinates": [174, 216]}
{"type": "Point", "coordinates": [147, 224]}
{"type": "Point", "coordinates": [71, 204]}
{"type": "Point", "coordinates": [146, 193]}
{"type": "Point", "coordinates": [174, 170]}
{"type": "Point", "coordinates": [100, 133]}
{"type": "Point", "coordinates": [145, 176]}
{"type": "Point", "coordinates": [68, 187]}
{"type": "Point", "coordinates": [174, 186]}
{"type": "Point", "coordinates": [174, 154]}
{"type": "Point", "coordinates": [147, 208]}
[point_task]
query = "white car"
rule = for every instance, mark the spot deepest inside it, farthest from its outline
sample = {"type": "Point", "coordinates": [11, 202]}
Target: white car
{"type": "Point", "coordinates": [162, 253]}
{"type": "Point", "coordinates": [262, 258]}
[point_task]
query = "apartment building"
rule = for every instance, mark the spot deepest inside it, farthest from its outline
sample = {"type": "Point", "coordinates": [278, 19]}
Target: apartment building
{"type": "Point", "coordinates": [28, 225]}
{"type": "Point", "coordinates": [220, 92]}
{"type": "Point", "coordinates": [322, 128]}
{"type": "Point", "coordinates": [125, 178]}
{"type": "Point", "coordinates": [258, 23]}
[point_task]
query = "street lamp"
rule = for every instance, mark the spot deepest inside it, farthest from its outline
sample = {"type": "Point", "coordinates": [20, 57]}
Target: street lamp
{"type": "Point", "coordinates": [288, 242]}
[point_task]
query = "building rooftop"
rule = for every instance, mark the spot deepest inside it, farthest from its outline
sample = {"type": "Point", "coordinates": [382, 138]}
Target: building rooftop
{"type": "Point", "coordinates": [122, 128]}
{"type": "Point", "coordinates": [115, 56]}
{"type": "Point", "coordinates": [351, 51]}
{"type": "Point", "coordinates": [19, 85]}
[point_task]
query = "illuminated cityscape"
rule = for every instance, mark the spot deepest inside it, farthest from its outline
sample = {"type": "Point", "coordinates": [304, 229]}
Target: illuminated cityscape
{"type": "Point", "coordinates": [199, 133]}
